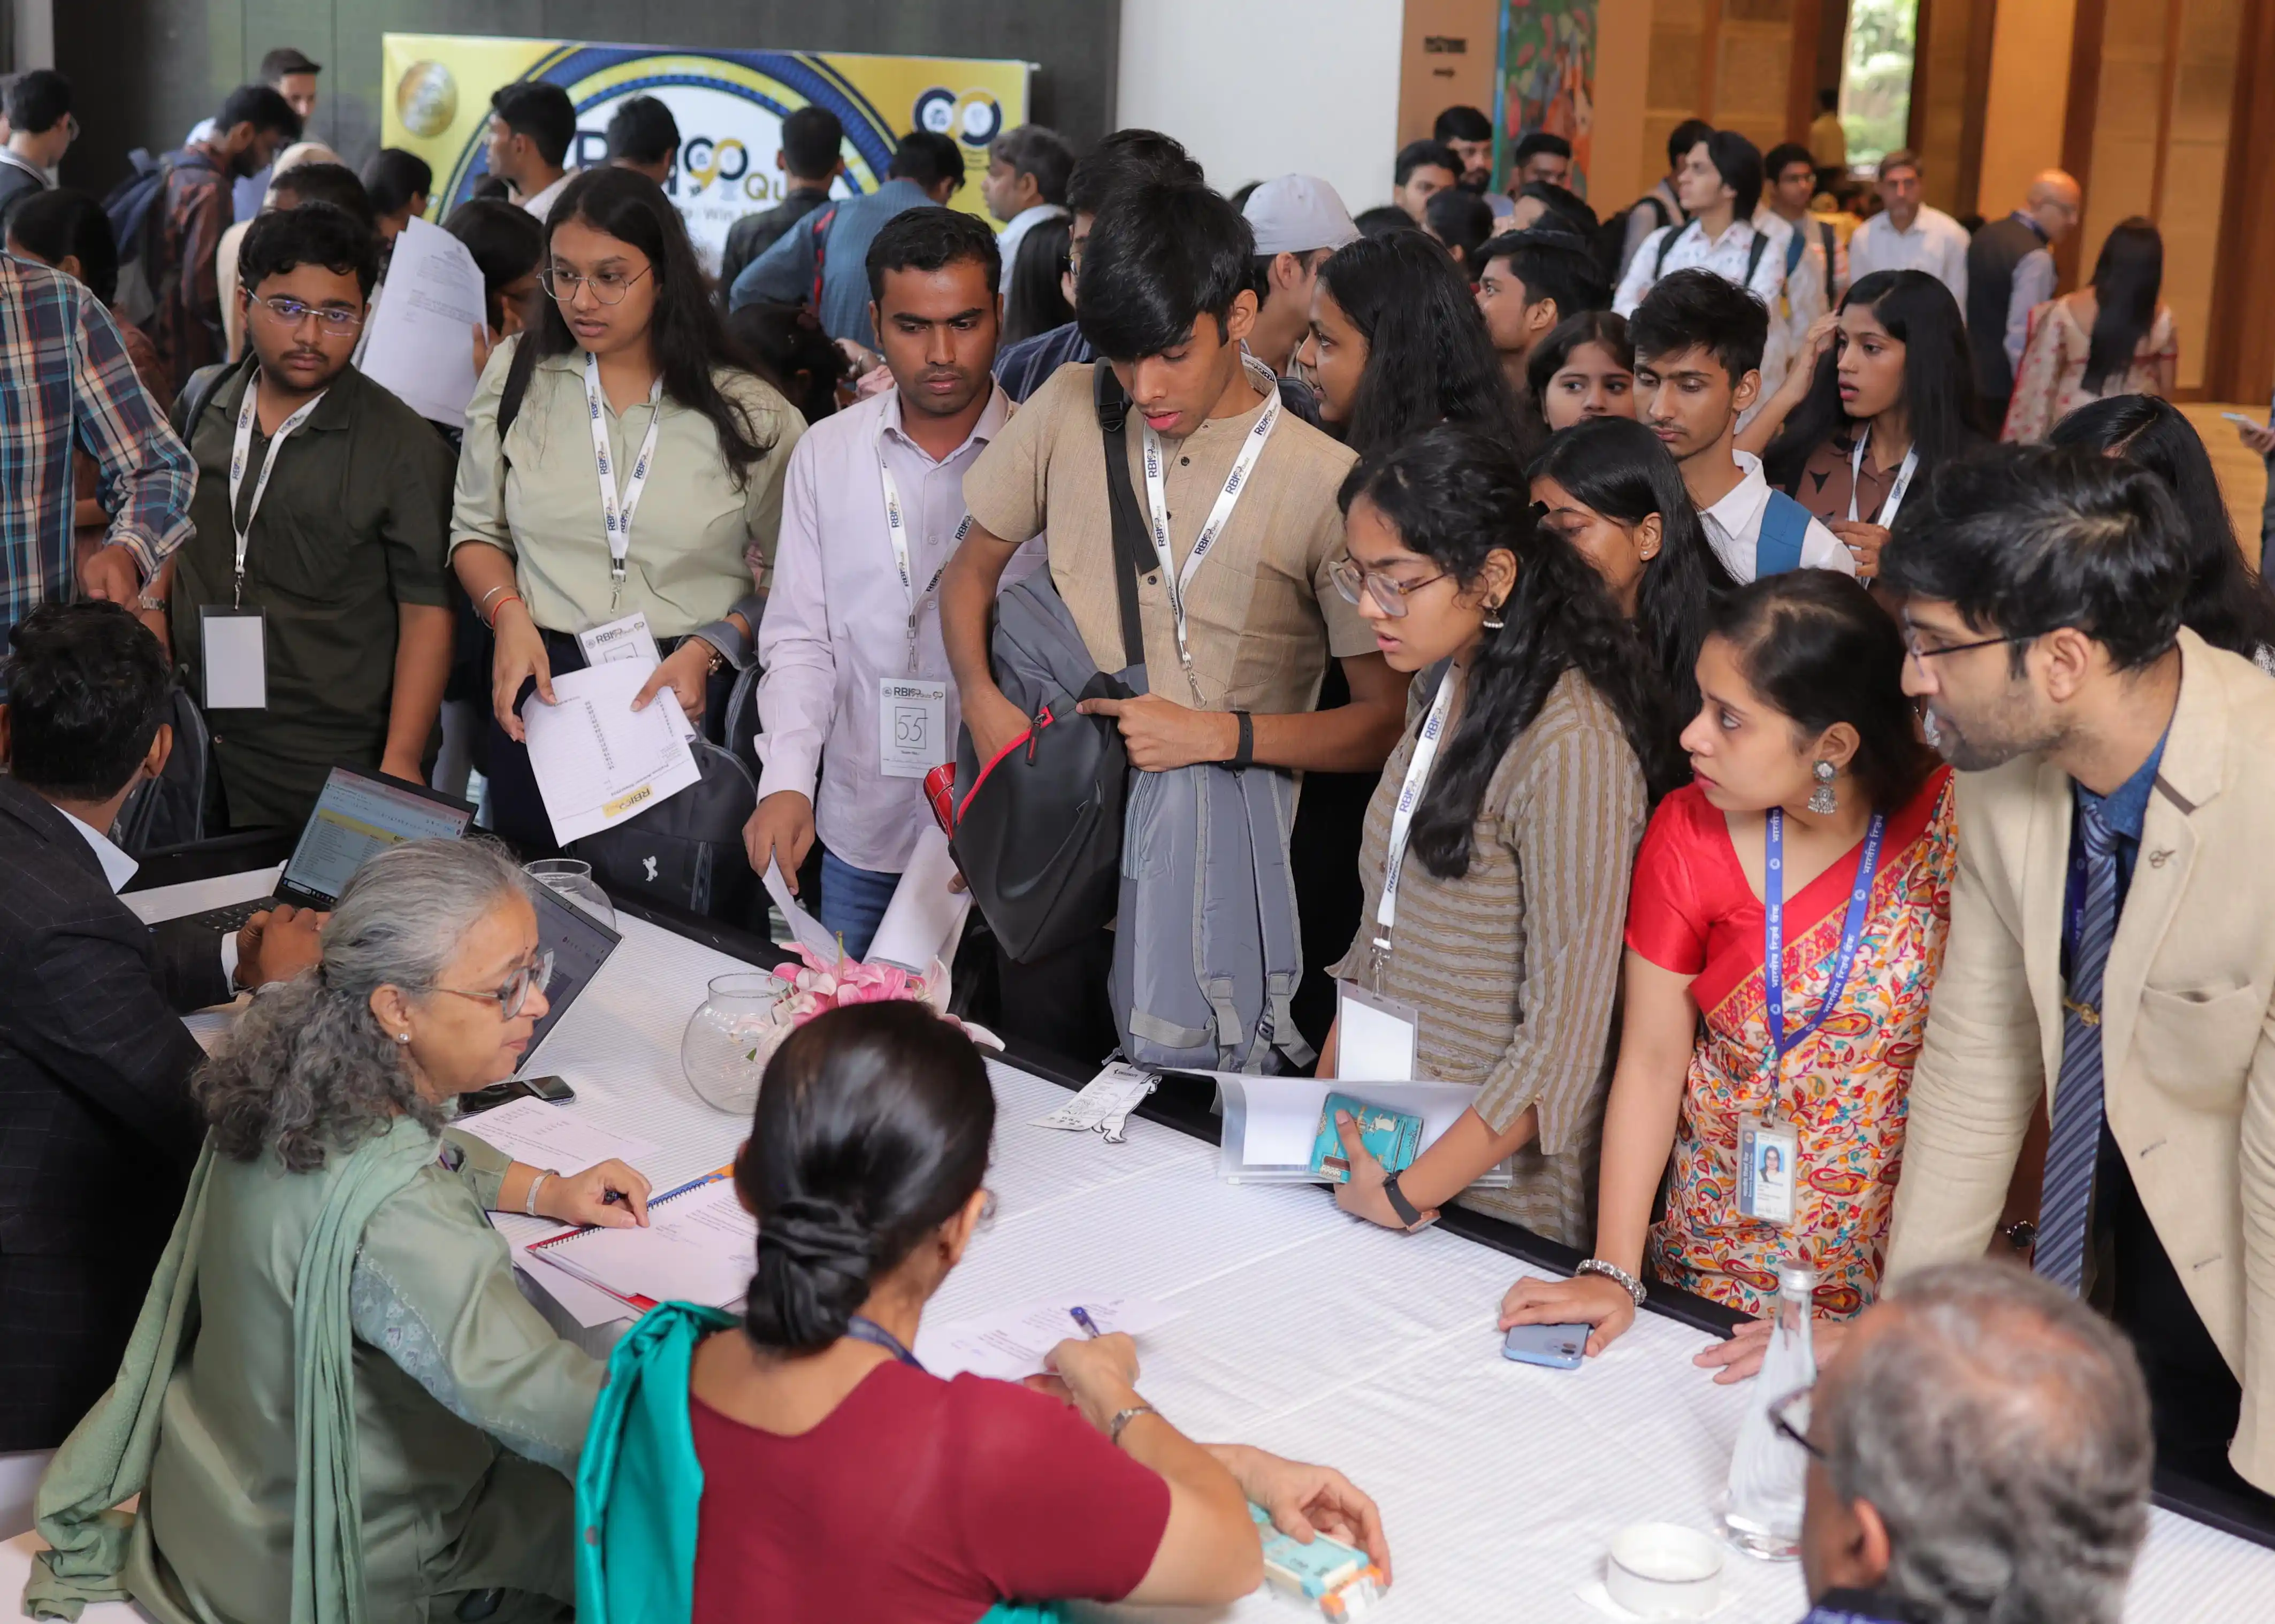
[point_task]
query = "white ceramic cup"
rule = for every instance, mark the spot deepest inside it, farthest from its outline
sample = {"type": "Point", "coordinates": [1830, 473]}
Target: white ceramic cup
{"type": "Point", "coordinates": [1663, 1570]}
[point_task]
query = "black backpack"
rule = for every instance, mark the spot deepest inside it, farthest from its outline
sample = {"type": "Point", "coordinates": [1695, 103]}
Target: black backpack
{"type": "Point", "coordinates": [1611, 237]}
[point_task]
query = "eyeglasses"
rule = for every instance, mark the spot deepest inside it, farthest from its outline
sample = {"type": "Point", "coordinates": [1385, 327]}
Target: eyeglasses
{"type": "Point", "coordinates": [331, 319]}
{"type": "Point", "coordinates": [1790, 1416]}
{"type": "Point", "coordinates": [512, 996]}
{"type": "Point", "coordinates": [1389, 594]}
{"type": "Point", "coordinates": [610, 287]}
{"type": "Point", "coordinates": [1912, 645]}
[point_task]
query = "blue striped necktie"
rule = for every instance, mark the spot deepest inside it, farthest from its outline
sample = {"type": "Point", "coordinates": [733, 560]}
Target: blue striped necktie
{"type": "Point", "coordinates": [2074, 1142]}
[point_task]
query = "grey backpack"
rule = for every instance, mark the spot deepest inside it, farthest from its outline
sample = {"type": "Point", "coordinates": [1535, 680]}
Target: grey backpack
{"type": "Point", "coordinates": [1206, 950]}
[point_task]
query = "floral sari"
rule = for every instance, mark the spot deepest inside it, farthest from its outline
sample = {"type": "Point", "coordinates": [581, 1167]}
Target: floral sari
{"type": "Point", "coordinates": [1843, 1086]}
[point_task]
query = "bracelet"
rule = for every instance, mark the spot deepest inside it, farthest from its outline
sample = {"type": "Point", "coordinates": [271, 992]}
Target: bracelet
{"type": "Point", "coordinates": [1122, 1418]}
{"type": "Point", "coordinates": [512, 596]}
{"type": "Point", "coordinates": [529, 1205]}
{"type": "Point", "coordinates": [1244, 753]}
{"type": "Point", "coordinates": [482, 607]}
{"type": "Point", "coordinates": [1617, 1275]}
{"type": "Point", "coordinates": [1408, 1214]}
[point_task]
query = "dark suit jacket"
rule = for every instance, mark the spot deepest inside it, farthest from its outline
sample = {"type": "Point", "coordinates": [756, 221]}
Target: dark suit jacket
{"type": "Point", "coordinates": [97, 1130]}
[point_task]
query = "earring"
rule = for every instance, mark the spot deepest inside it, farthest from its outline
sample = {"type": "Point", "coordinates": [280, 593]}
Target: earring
{"type": "Point", "coordinates": [1821, 799]}
{"type": "Point", "coordinates": [403, 1037]}
{"type": "Point", "coordinates": [1494, 622]}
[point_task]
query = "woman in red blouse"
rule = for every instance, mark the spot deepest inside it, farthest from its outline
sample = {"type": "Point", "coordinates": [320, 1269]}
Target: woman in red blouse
{"type": "Point", "coordinates": [1781, 1097]}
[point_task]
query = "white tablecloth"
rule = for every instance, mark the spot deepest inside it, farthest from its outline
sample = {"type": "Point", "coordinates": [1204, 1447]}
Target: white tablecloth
{"type": "Point", "coordinates": [1320, 1338]}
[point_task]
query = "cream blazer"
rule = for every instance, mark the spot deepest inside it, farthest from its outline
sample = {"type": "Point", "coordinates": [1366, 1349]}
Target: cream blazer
{"type": "Point", "coordinates": [2187, 1035]}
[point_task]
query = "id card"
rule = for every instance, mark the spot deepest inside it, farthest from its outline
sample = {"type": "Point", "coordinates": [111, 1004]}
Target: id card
{"type": "Point", "coordinates": [1767, 1153]}
{"type": "Point", "coordinates": [1375, 1037]}
{"type": "Point", "coordinates": [628, 638]}
{"type": "Point", "coordinates": [235, 647]}
{"type": "Point", "coordinates": [911, 726]}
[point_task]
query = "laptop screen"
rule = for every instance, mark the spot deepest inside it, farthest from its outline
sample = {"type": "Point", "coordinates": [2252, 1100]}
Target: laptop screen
{"type": "Point", "coordinates": [356, 815]}
{"type": "Point", "coordinates": [581, 945]}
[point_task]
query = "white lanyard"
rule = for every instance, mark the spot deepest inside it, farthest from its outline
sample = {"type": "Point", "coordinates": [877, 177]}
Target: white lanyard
{"type": "Point", "coordinates": [896, 527]}
{"type": "Point", "coordinates": [1887, 514]}
{"type": "Point", "coordinates": [1401, 816]}
{"type": "Point", "coordinates": [240, 449]}
{"type": "Point", "coordinates": [1157, 499]}
{"type": "Point", "coordinates": [616, 516]}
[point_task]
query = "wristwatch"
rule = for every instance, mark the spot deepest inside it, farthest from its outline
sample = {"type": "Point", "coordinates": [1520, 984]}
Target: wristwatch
{"type": "Point", "coordinates": [150, 603]}
{"type": "Point", "coordinates": [2022, 1235]}
{"type": "Point", "coordinates": [1408, 1214]}
{"type": "Point", "coordinates": [1122, 1418]}
{"type": "Point", "coordinates": [1618, 1276]}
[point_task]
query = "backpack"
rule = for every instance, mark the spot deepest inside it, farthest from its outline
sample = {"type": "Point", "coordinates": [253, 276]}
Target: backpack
{"type": "Point", "coordinates": [1785, 527]}
{"type": "Point", "coordinates": [1611, 245]}
{"type": "Point", "coordinates": [687, 852]}
{"type": "Point", "coordinates": [136, 222]}
{"type": "Point", "coordinates": [1753, 257]}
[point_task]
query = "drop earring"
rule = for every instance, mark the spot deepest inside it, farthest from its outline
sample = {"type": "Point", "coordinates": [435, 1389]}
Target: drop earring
{"type": "Point", "coordinates": [1494, 622]}
{"type": "Point", "coordinates": [1821, 799]}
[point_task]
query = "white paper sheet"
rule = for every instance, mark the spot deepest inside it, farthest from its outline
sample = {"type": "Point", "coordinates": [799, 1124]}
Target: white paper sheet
{"type": "Point", "coordinates": [924, 919]}
{"type": "Point", "coordinates": [1014, 1342]}
{"type": "Point", "coordinates": [599, 762]}
{"type": "Point", "coordinates": [1105, 1101]}
{"type": "Point", "coordinates": [803, 927]}
{"type": "Point", "coordinates": [420, 341]}
{"type": "Point", "coordinates": [549, 1135]}
{"type": "Point", "coordinates": [1283, 1113]}
{"type": "Point", "coordinates": [697, 1248]}
{"type": "Point", "coordinates": [587, 1304]}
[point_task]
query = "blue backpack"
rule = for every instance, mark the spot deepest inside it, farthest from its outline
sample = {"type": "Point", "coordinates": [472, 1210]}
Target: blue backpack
{"type": "Point", "coordinates": [1785, 527]}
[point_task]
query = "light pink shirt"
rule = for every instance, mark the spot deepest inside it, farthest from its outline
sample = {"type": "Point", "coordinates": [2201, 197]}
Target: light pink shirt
{"type": "Point", "coordinates": [837, 619]}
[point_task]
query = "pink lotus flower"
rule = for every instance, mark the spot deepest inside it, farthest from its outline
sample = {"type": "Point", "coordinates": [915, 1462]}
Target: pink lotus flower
{"type": "Point", "coordinates": [816, 985]}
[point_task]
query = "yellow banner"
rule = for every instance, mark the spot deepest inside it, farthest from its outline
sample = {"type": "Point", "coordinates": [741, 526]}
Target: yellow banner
{"type": "Point", "coordinates": [729, 105]}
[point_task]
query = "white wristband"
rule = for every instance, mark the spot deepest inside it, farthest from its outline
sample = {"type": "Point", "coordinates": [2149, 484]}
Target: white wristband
{"type": "Point", "coordinates": [529, 1204]}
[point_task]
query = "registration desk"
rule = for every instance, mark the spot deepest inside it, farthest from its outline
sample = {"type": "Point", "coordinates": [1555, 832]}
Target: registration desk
{"type": "Point", "coordinates": [1308, 1333]}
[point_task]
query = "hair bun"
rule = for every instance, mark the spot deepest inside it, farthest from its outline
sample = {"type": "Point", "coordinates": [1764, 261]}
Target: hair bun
{"type": "Point", "coordinates": [815, 1256]}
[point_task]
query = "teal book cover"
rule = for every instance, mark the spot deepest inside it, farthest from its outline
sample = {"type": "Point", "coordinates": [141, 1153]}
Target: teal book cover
{"type": "Point", "coordinates": [1394, 1137]}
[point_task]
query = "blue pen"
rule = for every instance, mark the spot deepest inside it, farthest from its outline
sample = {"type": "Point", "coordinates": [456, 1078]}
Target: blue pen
{"type": "Point", "coordinates": [1089, 1326]}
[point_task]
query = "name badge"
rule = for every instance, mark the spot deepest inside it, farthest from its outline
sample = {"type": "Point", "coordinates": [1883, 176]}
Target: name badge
{"type": "Point", "coordinates": [628, 638]}
{"type": "Point", "coordinates": [911, 726]}
{"type": "Point", "coordinates": [1375, 1037]}
{"type": "Point", "coordinates": [235, 645]}
{"type": "Point", "coordinates": [1767, 1155]}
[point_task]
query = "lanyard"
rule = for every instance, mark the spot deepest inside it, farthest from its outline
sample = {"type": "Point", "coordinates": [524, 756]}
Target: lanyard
{"type": "Point", "coordinates": [240, 449]}
{"type": "Point", "coordinates": [863, 1329]}
{"type": "Point", "coordinates": [1910, 464]}
{"type": "Point", "coordinates": [1401, 816]}
{"type": "Point", "coordinates": [616, 516]}
{"type": "Point", "coordinates": [1157, 500]}
{"type": "Point", "coordinates": [896, 527]}
{"type": "Point", "coordinates": [1852, 932]}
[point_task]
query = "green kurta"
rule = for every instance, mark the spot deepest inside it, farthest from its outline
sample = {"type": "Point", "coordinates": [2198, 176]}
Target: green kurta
{"type": "Point", "coordinates": [469, 1412]}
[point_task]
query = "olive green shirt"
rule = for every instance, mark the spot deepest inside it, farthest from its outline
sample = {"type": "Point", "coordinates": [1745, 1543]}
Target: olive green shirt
{"type": "Point", "coordinates": [354, 525]}
{"type": "Point", "coordinates": [699, 542]}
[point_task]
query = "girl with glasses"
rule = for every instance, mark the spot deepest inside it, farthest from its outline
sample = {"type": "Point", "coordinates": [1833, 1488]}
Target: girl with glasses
{"type": "Point", "coordinates": [1495, 859]}
{"type": "Point", "coordinates": [348, 1391]}
{"type": "Point", "coordinates": [617, 459]}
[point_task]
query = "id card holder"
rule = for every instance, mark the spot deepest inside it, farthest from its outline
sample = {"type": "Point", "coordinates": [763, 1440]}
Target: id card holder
{"type": "Point", "coordinates": [1375, 1037]}
{"type": "Point", "coordinates": [628, 638]}
{"type": "Point", "coordinates": [1767, 1153]}
{"type": "Point", "coordinates": [911, 726]}
{"type": "Point", "coordinates": [234, 645]}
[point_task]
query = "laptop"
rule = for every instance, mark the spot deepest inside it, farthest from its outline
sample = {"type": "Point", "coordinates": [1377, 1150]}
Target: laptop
{"type": "Point", "coordinates": [579, 943]}
{"type": "Point", "coordinates": [358, 814]}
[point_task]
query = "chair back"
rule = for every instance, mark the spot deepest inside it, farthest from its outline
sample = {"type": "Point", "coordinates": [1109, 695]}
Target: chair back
{"type": "Point", "coordinates": [169, 810]}
{"type": "Point", "coordinates": [739, 720]}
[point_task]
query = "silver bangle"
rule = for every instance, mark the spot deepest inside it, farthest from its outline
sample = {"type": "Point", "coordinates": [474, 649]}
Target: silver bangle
{"type": "Point", "coordinates": [529, 1203]}
{"type": "Point", "coordinates": [1618, 1276]}
{"type": "Point", "coordinates": [1122, 1418]}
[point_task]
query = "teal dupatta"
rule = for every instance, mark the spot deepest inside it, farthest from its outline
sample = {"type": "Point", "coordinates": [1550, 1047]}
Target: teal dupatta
{"type": "Point", "coordinates": [639, 1485]}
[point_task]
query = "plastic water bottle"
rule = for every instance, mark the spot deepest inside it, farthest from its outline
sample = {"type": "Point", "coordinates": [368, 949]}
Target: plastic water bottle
{"type": "Point", "coordinates": [1768, 1471]}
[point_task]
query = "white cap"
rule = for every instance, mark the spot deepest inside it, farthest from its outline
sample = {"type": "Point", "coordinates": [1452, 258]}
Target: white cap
{"type": "Point", "coordinates": [1296, 214]}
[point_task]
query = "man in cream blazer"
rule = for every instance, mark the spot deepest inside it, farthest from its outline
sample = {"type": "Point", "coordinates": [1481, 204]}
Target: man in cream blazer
{"type": "Point", "coordinates": [2043, 592]}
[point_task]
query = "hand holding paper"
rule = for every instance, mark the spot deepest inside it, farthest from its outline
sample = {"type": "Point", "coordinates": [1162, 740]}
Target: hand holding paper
{"type": "Point", "coordinates": [598, 761]}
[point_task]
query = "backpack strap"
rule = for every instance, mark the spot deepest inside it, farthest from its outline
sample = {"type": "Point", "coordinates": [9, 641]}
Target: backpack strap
{"type": "Point", "coordinates": [1785, 527]}
{"type": "Point", "coordinates": [1754, 256]}
{"type": "Point", "coordinates": [1666, 245]}
{"type": "Point", "coordinates": [514, 389]}
{"type": "Point", "coordinates": [197, 394]}
{"type": "Point", "coordinates": [1795, 245]}
{"type": "Point", "coordinates": [1131, 548]}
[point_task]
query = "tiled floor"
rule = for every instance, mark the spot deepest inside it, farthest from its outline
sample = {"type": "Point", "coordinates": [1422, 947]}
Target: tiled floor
{"type": "Point", "coordinates": [2243, 476]}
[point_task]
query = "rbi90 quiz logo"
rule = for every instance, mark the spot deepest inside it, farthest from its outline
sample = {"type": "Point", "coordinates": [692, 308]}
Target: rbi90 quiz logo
{"type": "Point", "coordinates": [975, 118]}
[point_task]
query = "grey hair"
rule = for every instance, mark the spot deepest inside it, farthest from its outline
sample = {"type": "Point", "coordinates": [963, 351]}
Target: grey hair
{"type": "Point", "coordinates": [2000, 1428]}
{"type": "Point", "coordinates": [309, 1068]}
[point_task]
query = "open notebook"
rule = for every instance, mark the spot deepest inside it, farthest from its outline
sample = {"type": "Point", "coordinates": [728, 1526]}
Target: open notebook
{"type": "Point", "coordinates": [699, 1247]}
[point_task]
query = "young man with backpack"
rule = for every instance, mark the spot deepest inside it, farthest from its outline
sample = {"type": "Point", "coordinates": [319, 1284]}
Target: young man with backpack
{"type": "Point", "coordinates": [1621, 234]}
{"type": "Point", "coordinates": [1816, 264]}
{"type": "Point", "coordinates": [169, 225]}
{"type": "Point", "coordinates": [1232, 501]}
{"type": "Point", "coordinates": [1698, 340]}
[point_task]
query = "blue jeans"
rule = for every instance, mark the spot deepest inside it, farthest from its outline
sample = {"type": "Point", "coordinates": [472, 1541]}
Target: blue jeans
{"type": "Point", "coordinates": [853, 903]}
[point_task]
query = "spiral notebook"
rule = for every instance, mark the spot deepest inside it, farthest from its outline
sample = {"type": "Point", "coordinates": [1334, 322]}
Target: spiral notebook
{"type": "Point", "coordinates": [700, 1246]}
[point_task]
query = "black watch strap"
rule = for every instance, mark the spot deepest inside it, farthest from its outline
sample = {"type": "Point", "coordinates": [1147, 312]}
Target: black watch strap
{"type": "Point", "coordinates": [1408, 1213]}
{"type": "Point", "coordinates": [1244, 753]}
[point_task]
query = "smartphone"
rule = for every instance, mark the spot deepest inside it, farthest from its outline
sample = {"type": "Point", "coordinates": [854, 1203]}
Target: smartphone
{"type": "Point", "coordinates": [2241, 421]}
{"type": "Point", "coordinates": [553, 1091]}
{"type": "Point", "coordinates": [1560, 1348]}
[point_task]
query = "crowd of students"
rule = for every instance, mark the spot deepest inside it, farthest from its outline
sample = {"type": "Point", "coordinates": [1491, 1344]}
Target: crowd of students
{"type": "Point", "coordinates": [1730, 760]}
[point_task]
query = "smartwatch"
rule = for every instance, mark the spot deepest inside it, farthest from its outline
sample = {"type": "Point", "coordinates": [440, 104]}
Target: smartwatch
{"type": "Point", "coordinates": [1408, 1214]}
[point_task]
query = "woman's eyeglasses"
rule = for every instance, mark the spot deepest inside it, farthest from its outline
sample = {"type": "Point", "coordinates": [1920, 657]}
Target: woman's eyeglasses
{"type": "Point", "coordinates": [610, 287]}
{"type": "Point", "coordinates": [513, 996]}
{"type": "Point", "coordinates": [1388, 592]}
{"type": "Point", "coordinates": [332, 320]}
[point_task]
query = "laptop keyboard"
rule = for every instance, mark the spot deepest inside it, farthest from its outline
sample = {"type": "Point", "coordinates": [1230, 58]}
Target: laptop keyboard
{"type": "Point", "coordinates": [234, 917]}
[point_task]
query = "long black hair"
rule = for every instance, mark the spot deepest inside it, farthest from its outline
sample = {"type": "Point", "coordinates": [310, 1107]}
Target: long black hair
{"type": "Point", "coordinates": [2228, 606]}
{"type": "Point", "coordinates": [1429, 359]}
{"type": "Point", "coordinates": [1940, 401]}
{"type": "Point", "coordinates": [685, 334]}
{"type": "Point", "coordinates": [2127, 279]}
{"type": "Point", "coordinates": [1454, 493]}
{"type": "Point", "coordinates": [1820, 649]}
{"type": "Point", "coordinates": [1618, 467]}
{"type": "Point", "coordinates": [1034, 300]}
{"type": "Point", "coordinates": [871, 1132]}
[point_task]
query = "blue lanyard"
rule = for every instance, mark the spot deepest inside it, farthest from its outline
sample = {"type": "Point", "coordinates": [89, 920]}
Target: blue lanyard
{"type": "Point", "coordinates": [1852, 930]}
{"type": "Point", "coordinates": [863, 1329]}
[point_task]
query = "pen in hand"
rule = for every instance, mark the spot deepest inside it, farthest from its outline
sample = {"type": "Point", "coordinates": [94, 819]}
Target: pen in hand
{"type": "Point", "coordinates": [1081, 1316]}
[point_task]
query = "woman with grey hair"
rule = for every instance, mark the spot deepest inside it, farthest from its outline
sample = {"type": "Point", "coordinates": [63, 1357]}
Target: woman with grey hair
{"type": "Point", "coordinates": [337, 1405]}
